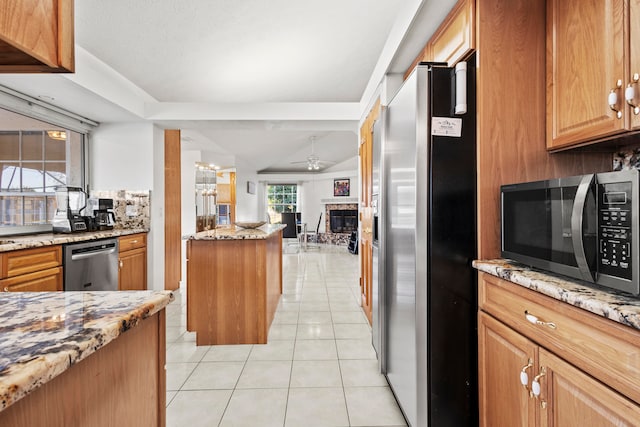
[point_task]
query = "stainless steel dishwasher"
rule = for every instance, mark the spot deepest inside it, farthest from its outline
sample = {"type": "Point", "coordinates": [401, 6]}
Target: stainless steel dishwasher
{"type": "Point", "coordinates": [91, 266]}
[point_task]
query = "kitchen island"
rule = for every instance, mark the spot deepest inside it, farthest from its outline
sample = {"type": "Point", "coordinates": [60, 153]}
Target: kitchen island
{"type": "Point", "coordinates": [82, 358]}
{"type": "Point", "coordinates": [234, 283]}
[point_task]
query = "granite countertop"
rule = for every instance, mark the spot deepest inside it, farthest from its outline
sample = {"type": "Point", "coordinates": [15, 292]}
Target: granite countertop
{"type": "Point", "coordinates": [42, 334]}
{"type": "Point", "coordinates": [12, 243]}
{"type": "Point", "coordinates": [612, 304]}
{"type": "Point", "coordinates": [237, 233]}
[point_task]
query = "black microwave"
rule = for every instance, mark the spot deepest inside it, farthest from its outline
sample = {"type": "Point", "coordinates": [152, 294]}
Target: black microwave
{"type": "Point", "coordinates": [584, 227]}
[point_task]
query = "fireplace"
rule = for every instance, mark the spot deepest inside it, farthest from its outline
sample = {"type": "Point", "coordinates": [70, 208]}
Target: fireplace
{"type": "Point", "coordinates": [343, 220]}
{"type": "Point", "coordinates": [334, 223]}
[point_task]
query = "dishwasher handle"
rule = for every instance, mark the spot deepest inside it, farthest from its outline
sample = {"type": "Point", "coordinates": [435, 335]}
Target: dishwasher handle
{"type": "Point", "coordinates": [90, 254]}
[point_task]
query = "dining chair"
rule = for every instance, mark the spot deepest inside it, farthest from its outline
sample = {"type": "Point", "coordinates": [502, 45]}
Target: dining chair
{"type": "Point", "coordinates": [313, 235]}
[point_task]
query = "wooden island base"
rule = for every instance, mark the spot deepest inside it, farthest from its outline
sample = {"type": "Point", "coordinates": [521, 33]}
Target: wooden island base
{"type": "Point", "coordinates": [233, 286]}
{"type": "Point", "coordinates": [122, 384]}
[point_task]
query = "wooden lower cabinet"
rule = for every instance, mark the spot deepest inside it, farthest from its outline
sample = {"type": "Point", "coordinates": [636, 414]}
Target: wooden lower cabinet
{"type": "Point", "coordinates": [572, 398]}
{"type": "Point", "coordinates": [132, 273]}
{"type": "Point", "coordinates": [502, 355]}
{"type": "Point", "coordinates": [366, 260]}
{"type": "Point", "coordinates": [49, 280]}
{"type": "Point", "coordinates": [32, 270]}
{"type": "Point", "coordinates": [578, 393]}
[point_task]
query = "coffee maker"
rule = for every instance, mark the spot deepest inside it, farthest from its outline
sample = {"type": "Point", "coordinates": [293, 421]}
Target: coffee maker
{"type": "Point", "coordinates": [70, 202]}
{"type": "Point", "coordinates": [104, 217]}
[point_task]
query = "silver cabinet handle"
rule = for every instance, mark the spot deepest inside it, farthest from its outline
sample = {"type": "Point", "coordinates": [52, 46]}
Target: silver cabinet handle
{"type": "Point", "coordinates": [534, 319]}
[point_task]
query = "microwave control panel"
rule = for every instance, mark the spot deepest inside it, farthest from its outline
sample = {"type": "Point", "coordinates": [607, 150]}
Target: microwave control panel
{"type": "Point", "coordinates": [614, 229]}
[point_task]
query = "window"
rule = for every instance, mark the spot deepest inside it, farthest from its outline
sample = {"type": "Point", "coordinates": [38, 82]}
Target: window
{"type": "Point", "coordinates": [32, 164]}
{"type": "Point", "coordinates": [281, 198]}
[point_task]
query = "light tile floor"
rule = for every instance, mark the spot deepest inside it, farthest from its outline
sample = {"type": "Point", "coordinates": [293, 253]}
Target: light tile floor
{"type": "Point", "coordinates": [317, 369]}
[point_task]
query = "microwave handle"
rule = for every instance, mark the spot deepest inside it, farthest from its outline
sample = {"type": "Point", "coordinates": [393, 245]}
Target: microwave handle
{"type": "Point", "coordinates": [576, 226]}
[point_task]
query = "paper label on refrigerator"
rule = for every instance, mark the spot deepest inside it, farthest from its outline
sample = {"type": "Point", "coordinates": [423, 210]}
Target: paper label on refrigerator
{"type": "Point", "coordinates": [446, 126]}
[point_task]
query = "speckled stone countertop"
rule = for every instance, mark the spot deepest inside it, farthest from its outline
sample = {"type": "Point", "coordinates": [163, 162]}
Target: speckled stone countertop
{"type": "Point", "coordinates": [237, 233]}
{"type": "Point", "coordinates": [12, 243]}
{"type": "Point", "coordinates": [42, 334]}
{"type": "Point", "coordinates": [615, 305]}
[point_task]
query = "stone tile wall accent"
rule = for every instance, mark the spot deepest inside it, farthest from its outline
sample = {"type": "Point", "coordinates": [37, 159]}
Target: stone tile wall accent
{"type": "Point", "coordinates": [335, 238]}
{"type": "Point", "coordinates": [627, 159]}
{"type": "Point", "coordinates": [132, 208]}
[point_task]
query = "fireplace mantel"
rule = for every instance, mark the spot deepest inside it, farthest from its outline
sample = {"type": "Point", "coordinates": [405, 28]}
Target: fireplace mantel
{"type": "Point", "coordinates": [339, 200]}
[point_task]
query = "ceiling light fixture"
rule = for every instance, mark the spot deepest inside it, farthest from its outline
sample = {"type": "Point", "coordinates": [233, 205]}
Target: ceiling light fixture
{"type": "Point", "coordinates": [313, 161]}
{"type": "Point", "coordinates": [60, 135]}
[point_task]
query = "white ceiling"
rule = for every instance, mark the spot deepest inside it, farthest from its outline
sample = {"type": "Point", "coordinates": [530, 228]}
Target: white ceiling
{"type": "Point", "coordinates": [253, 79]}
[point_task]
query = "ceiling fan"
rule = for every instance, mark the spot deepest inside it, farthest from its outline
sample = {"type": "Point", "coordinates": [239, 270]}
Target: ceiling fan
{"type": "Point", "coordinates": [313, 162]}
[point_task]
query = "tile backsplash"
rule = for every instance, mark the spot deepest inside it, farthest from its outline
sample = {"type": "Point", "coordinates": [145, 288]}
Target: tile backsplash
{"type": "Point", "coordinates": [626, 159]}
{"type": "Point", "coordinates": [132, 208]}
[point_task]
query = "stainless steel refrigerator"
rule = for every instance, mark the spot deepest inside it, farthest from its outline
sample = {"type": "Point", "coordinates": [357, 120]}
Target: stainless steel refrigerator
{"type": "Point", "coordinates": [426, 313]}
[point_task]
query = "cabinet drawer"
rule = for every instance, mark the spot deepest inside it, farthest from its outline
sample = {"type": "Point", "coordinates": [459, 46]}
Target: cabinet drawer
{"type": "Point", "coordinates": [41, 281]}
{"type": "Point", "coordinates": [25, 261]}
{"type": "Point", "coordinates": [133, 241]}
{"type": "Point", "coordinates": [603, 348]}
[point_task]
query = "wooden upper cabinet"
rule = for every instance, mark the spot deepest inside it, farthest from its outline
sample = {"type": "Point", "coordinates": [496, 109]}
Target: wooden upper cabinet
{"type": "Point", "coordinates": [36, 36]}
{"type": "Point", "coordinates": [587, 63]}
{"type": "Point", "coordinates": [634, 59]}
{"type": "Point", "coordinates": [455, 38]}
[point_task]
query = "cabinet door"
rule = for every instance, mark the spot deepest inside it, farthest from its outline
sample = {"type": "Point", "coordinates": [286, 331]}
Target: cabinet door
{"type": "Point", "coordinates": [634, 57]}
{"type": "Point", "coordinates": [36, 36]}
{"type": "Point", "coordinates": [49, 280]}
{"type": "Point", "coordinates": [455, 38]}
{"type": "Point", "coordinates": [502, 355]}
{"type": "Point", "coordinates": [585, 61]}
{"type": "Point", "coordinates": [133, 270]}
{"type": "Point", "coordinates": [572, 398]}
{"type": "Point", "coordinates": [366, 265]}
{"type": "Point", "coordinates": [24, 261]}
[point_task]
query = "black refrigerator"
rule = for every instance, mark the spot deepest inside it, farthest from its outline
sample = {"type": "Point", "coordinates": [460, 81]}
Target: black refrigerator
{"type": "Point", "coordinates": [426, 314]}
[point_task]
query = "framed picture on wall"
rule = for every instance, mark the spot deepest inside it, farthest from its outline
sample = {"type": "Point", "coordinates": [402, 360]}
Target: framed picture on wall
{"type": "Point", "coordinates": [341, 187]}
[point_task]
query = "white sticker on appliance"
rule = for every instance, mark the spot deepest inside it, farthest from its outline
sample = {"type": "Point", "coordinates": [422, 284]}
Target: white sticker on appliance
{"type": "Point", "coordinates": [446, 126]}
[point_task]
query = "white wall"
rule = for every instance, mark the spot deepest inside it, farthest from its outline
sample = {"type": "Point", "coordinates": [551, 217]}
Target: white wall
{"type": "Point", "coordinates": [247, 205]}
{"type": "Point", "coordinates": [155, 272]}
{"type": "Point", "coordinates": [188, 183]}
{"type": "Point", "coordinates": [314, 188]}
{"type": "Point", "coordinates": [131, 156]}
{"type": "Point", "coordinates": [121, 156]}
